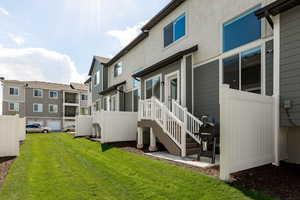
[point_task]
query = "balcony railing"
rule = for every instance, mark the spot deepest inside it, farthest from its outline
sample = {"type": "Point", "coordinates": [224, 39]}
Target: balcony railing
{"type": "Point", "coordinates": [72, 101]}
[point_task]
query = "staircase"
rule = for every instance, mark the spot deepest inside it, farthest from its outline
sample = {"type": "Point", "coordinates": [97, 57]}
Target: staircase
{"type": "Point", "coordinates": [173, 128]}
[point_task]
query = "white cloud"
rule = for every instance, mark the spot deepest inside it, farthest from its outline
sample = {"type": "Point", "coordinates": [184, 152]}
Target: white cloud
{"type": "Point", "coordinates": [4, 12]}
{"type": "Point", "coordinates": [38, 64]}
{"type": "Point", "coordinates": [127, 35]}
{"type": "Point", "coordinates": [19, 40]}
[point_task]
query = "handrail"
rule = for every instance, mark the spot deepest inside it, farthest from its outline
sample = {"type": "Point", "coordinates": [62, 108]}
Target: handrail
{"type": "Point", "coordinates": [153, 109]}
{"type": "Point", "coordinates": [192, 123]}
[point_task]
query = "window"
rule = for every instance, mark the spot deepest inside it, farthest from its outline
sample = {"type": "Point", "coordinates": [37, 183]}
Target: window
{"type": "Point", "coordinates": [84, 97]}
{"type": "Point", "coordinates": [175, 30]}
{"type": "Point", "coordinates": [14, 91]}
{"type": "Point", "coordinates": [37, 93]}
{"type": "Point", "coordinates": [136, 97]}
{"type": "Point", "coordinates": [98, 77]}
{"type": "Point", "coordinates": [14, 107]}
{"type": "Point", "coordinates": [37, 107]}
{"type": "Point", "coordinates": [153, 87]}
{"type": "Point", "coordinates": [84, 111]}
{"type": "Point", "coordinates": [113, 103]}
{"type": "Point", "coordinates": [53, 108]}
{"type": "Point", "coordinates": [241, 30]}
{"type": "Point", "coordinates": [136, 83]}
{"type": "Point", "coordinates": [53, 94]}
{"type": "Point", "coordinates": [243, 71]}
{"type": "Point", "coordinates": [118, 69]}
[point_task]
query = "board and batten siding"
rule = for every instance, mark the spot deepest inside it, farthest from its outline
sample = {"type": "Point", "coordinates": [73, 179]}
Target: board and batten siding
{"type": "Point", "coordinates": [206, 91]}
{"type": "Point", "coordinates": [189, 83]}
{"type": "Point", "coordinates": [269, 68]}
{"type": "Point", "coordinates": [290, 64]}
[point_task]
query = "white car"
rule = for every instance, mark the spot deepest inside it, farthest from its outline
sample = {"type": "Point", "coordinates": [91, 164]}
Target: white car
{"type": "Point", "coordinates": [37, 128]}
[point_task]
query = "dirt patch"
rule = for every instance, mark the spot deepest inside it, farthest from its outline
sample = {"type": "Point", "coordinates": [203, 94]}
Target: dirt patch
{"type": "Point", "coordinates": [5, 164]}
{"type": "Point", "coordinates": [131, 147]}
{"type": "Point", "coordinates": [283, 181]}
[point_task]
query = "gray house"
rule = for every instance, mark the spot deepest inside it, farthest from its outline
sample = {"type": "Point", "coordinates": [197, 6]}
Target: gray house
{"type": "Point", "coordinates": [49, 104]}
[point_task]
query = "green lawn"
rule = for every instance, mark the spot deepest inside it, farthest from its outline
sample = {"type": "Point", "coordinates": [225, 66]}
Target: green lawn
{"type": "Point", "coordinates": [58, 167]}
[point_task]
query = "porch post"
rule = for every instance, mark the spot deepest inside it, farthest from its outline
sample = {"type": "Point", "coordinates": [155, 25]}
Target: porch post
{"type": "Point", "coordinates": [276, 89]}
{"type": "Point", "coordinates": [152, 141]}
{"type": "Point", "coordinates": [140, 144]}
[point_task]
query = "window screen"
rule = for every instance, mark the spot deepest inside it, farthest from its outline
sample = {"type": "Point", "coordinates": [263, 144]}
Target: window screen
{"type": "Point", "coordinates": [168, 34]}
{"type": "Point", "coordinates": [231, 72]}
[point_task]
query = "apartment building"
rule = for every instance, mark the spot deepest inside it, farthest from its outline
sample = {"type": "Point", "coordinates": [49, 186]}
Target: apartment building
{"type": "Point", "coordinates": [236, 64]}
{"type": "Point", "coordinates": [49, 104]}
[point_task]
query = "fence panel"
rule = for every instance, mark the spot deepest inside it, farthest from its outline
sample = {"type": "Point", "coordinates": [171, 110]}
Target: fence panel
{"type": "Point", "coordinates": [83, 125]}
{"type": "Point", "coordinates": [9, 135]}
{"type": "Point", "coordinates": [247, 131]}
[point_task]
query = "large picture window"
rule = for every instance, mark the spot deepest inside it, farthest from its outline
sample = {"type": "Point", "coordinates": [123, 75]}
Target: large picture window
{"type": "Point", "coordinates": [241, 30]}
{"type": "Point", "coordinates": [243, 71]}
{"type": "Point", "coordinates": [175, 30]}
{"type": "Point", "coordinates": [153, 88]}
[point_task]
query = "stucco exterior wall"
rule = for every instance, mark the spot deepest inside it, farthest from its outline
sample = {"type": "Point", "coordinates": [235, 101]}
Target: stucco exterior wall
{"type": "Point", "coordinates": [204, 27]}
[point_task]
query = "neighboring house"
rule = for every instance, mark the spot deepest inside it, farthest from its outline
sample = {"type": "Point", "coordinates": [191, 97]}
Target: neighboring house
{"type": "Point", "coordinates": [199, 58]}
{"type": "Point", "coordinates": [98, 81]}
{"type": "Point", "coordinates": [13, 101]}
{"type": "Point", "coordinates": [49, 104]}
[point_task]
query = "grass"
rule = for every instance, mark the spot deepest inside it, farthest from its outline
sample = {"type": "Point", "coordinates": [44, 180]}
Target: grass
{"type": "Point", "coordinates": [58, 167]}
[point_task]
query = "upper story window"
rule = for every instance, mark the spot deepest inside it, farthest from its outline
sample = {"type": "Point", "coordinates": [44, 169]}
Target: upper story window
{"type": "Point", "coordinates": [14, 91]}
{"type": "Point", "coordinates": [14, 107]}
{"type": "Point", "coordinates": [38, 93]}
{"type": "Point", "coordinates": [241, 30]}
{"type": "Point", "coordinates": [53, 94]}
{"type": "Point", "coordinates": [118, 68]}
{"type": "Point", "coordinates": [97, 78]}
{"type": "Point", "coordinates": [53, 108]}
{"type": "Point", "coordinates": [175, 30]}
{"type": "Point", "coordinates": [84, 97]}
{"type": "Point", "coordinates": [37, 107]}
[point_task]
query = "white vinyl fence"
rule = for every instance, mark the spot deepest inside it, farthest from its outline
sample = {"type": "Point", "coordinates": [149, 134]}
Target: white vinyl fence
{"type": "Point", "coordinates": [12, 131]}
{"type": "Point", "coordinates": [247, 131]}
{"type": "Point", "coordinates": [116, 126]}
{"type": "Point", "coordinates": [83, 125]}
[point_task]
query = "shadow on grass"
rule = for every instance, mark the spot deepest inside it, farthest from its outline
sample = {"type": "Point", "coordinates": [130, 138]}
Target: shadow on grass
{"type": "Point", "coordinates": [104, 147]}
{"type": "Point", "coordinates": [253, 194]}
{"type": "Point", "coordinates": [5, 159]}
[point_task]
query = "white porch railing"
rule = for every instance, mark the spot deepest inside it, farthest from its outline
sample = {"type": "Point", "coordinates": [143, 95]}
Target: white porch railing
{"type": "Point", "coordinates": [191, 123]}
{"type": "Point", "coordinates": [176, 123]}
{"type": "Point", "coordinates": [153, 109]}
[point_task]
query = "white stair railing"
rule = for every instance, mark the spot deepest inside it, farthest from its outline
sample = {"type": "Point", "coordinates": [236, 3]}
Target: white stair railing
{"type": "Point", "coordinates": [153, 109]}
{"type": "Point", "coordinates": [191, 123]}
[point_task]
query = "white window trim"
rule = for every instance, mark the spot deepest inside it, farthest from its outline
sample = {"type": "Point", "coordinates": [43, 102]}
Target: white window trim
{"type": "Point", "coordinates": [257, 44]}
{"type": "Point", "coordinates": [54, 105]}
{"type": "Point", "coordinates": [14, 110]}
{"type": "Point", "coordinates": [14, 94]}
{"type": "Point", "coordinates": [116, 102]}
{"type": "Point", "coordinates": [153, 77]}
{"type": "Point", "coordinates": [38, 111]}
{"type": "Point", "coordinates": [182, 38]}
{"type": "Point", "coordinates": [40, 91]}
{"type": "Point", "coordinates": [53, 97]}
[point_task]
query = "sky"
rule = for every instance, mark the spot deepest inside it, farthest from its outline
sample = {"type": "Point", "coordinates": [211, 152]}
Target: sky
{"type": "Point", "coordinates": [55, 40]}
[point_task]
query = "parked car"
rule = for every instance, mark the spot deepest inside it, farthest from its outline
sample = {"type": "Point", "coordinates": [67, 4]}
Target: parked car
{"type": "Point", "coordinates": [37, 128]}
{"type": "Point", "coordinates": [70, 128]}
